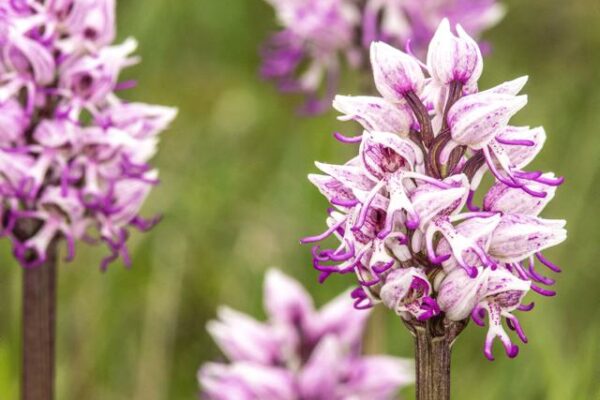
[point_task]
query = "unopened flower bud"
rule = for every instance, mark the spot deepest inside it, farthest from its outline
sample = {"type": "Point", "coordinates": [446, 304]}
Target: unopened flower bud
{"type": "Point", "coordinates": [454, 58]}
{"type": "Point", "coordinates": [396, 73]}
{"type": "Point", "coordinates": [476, 119]}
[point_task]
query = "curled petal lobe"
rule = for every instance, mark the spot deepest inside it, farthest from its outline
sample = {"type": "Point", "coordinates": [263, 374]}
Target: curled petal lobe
{"type": "Point", "coordinates": [521, 145]}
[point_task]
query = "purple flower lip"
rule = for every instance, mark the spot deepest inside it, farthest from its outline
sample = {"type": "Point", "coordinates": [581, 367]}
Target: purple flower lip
{"type": "Point", "coordinates": [292, 354]}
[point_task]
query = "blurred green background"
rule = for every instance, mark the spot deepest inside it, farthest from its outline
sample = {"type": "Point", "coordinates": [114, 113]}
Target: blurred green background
{"type": "Point", "coordinates": [236, 200]}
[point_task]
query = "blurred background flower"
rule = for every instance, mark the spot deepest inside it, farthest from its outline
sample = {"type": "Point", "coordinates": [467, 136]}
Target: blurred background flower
{"type": "Point", "coordinates": [235, 199]}
{"type": "Point", "coordinates": [299, 352]}
{"type": "Point", "coordinates": [322, 37]}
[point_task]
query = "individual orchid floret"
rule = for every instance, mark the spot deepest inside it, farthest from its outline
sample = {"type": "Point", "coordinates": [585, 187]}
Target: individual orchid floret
{"type": "Point", "coordinates": [395, 73]}
{"type": "Point", "coordinates": [383, 116]}
{"type": "Point", "coordinates": [299, 352]}
{"type": "Point", "coordinates": [506, 199]}
{"type": "Point", "coordinates": [454, 58]}
{"type": "Point", "coordinates": [404, 217]}
{"type": "Point", "coordinates": [407, 291]}
{"type": "Point", "coordinates": [476, 119]}
{"type": "Point", "coordinates": [439, 199]}
{"type": "Point", "coordinates": [75, 158]}
{"type": "Point", "coordinates": [465, 245]}
{"type": "Point", "coordinates": [496, 291]}
{"type": "Point", "coordinates": [518, 236]}
{"type": "Point", "coordinates": [88, 23]}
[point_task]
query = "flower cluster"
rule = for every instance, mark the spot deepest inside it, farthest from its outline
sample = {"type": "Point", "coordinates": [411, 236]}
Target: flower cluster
{"type": "Point", "coordinates": [404, 208]}
{"type": "Point", "coordinates": [300, 353]}
{"type": "Point", "coordinates": [306, 56]}
{"type": "Point", "coordinates": [73, 156]}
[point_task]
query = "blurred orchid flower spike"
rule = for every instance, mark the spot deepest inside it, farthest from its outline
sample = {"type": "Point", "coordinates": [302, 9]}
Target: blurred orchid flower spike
{"type": "Point", "coordinates": [299, 352]}
{"type": "Point", "coordinates": [403, 212]}
{"type": "Point", "coordinates": [74, 157]}
{"type": "Point", "coordinates": [319, 37]}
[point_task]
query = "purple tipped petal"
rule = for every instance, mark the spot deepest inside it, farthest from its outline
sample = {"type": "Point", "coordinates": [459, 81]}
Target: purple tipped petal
{"type": "Point", "coordinates": [395, 72]}
{"type": "Point", "coordinates": [454, 58]}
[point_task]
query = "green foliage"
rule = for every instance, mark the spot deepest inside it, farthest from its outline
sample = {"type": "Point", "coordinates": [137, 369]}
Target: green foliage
{"type": "Point", "coordinates": [236, 199]}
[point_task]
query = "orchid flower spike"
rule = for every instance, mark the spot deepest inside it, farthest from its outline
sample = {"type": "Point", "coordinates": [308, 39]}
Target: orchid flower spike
{"type": "Point", "coordinates": [74, 157]}
{"type": "Point", "coordinates": [299, 352]}
{"type": "Point", "coordinates": [403, 208]}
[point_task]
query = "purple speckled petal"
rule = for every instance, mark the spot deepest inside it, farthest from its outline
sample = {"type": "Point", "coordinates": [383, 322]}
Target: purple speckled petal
{"type": "Point", "coordinates": [512, 88]}
{"type": "Point", "coordinates": [395, 72]}
{"type": "Point", "coordinates": [506, 199]}
{"type": "Point", "coordinates": [454, 58]}
{"type": "Point", "coordinates": [375, 113]}
{"type": "Point", "coordinates": [13, 122]}
{"type": "Point", "coordinates": [519, 236]}
{"type": "Point", "coordinates": [476, 119]}
{"type": "Point", "coordinates": [430, 201]}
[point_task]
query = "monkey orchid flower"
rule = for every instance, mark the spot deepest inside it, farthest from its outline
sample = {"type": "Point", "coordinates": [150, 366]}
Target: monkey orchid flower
{"type": "Point", "coordinates": [403, 216]}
